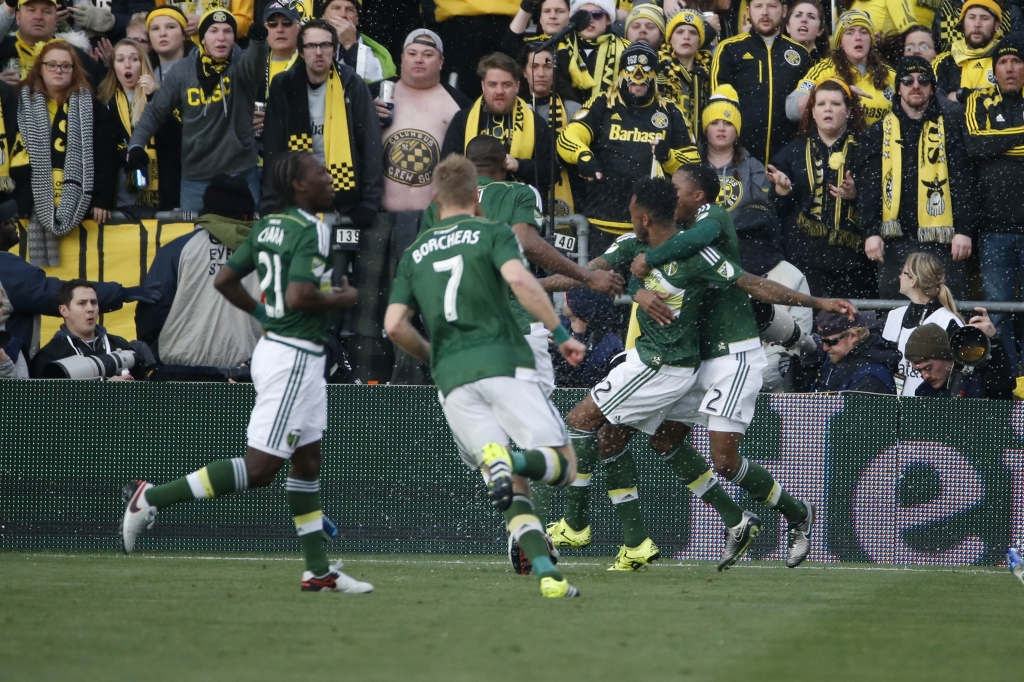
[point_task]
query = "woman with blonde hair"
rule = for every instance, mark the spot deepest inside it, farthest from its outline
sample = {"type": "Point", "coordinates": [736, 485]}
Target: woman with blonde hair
{"type": "Point", "coordinates": [125, 92]}
{"type": "Point", "coordinates": [923, 281]}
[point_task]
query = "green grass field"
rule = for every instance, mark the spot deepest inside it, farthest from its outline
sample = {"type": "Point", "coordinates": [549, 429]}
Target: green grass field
{"type": "Point", "coordinates": [86, 617]}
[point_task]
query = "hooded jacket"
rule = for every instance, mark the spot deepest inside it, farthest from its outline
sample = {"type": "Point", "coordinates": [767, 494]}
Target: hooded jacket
{"type": "Point", "coordinates": [65, 344]}
{"type": "Point", "coordinates": [868, 368]}
{"type": "Point", "coordinates": [193, 324]}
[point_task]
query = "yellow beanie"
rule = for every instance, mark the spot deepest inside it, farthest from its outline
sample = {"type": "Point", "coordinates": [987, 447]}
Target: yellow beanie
{"type": "Point", "coordinates": [686, 16]}
{"type": "Point", "coordinates": [652, 12]}
{"type": "Point", "coordinates": [847, 21]}
{"type": "Point", "coordinates": [991, 5]}
{"type": "Point", "coordinates": [723, 105]}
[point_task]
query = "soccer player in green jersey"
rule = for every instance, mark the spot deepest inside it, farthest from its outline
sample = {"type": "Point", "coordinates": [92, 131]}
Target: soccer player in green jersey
{"type": "Point", "coordinates": [290, 250]}
{"type": "Point", "coordinates": [732, 357]}
{"type": "Point", "coordinates": [519, 205]}
{"type": "Point", "coordinates": [457, 276]}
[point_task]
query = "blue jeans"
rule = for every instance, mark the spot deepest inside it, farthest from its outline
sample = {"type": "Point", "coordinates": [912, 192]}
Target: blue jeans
{"type": "Point", "coordinates": [192, 191]}
{"type": "Point", "coordinates": [1002, 270]}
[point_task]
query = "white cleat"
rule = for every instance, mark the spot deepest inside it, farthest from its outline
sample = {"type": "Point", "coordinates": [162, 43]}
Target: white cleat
{"type": "Point", "coordinates": [139, 515]}
{"type": "Point", "coordinates": [335, 581]}
{"type": "Point", "coordinates": [799, 543]}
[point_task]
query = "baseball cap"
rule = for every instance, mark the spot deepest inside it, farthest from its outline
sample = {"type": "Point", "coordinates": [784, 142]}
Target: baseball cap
{"type": "Point", "coordinates": [423, 36]}
{"type": "Point", "coordinates": [284, 10]}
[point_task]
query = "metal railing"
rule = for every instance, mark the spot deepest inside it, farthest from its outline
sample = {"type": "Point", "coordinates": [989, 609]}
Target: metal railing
{"type": "Point", "coordinates": [968, 306]}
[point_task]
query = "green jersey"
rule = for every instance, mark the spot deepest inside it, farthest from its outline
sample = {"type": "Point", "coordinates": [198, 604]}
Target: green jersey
{"type": "Point", "coordinates": [686, 283]}
{"type": "Point", "coordinates": [292, 246]}
{"type": "Point", "coordinates": [451, 275]}
{"type": "Point", "coordinates": [727, 323]}
{"type": "Point", "coordinates": [504, 202]}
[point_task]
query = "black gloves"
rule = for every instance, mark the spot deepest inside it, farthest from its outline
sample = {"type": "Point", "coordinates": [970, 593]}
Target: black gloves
{"type": "Point", "coordinates": [147, 293]}
{"type": "Point", "coordinates": [588, 166]}
{"type": "Point", "coordinates": [257, 31]}
{"type": "Point", "coordinates": [528, 6]}
{"type": "Point", "coordinates": [362, 217]}
{"type": "Point", "coordinates": [137, 157]}
{"type": "Point", "coordinates": [662, 151]}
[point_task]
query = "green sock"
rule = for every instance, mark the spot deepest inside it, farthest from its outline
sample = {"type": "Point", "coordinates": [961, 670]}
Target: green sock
{"type": "Point", "coordinates": [215, 479]}
{"type": "Point", "coordinates": [756, 480]}
{"type": "Point", "coordinates": [546, 465]}
{"type": "Point", "coordinates": [702, 482]}
{"type": "Point", "coordinates": [577, 507]}
{"type": "Point", "coordinates": [304, 501]}
{"type": "Point", "coordinates": [524, 525]}
{"type": "Point", "coordinates": [620, 477]}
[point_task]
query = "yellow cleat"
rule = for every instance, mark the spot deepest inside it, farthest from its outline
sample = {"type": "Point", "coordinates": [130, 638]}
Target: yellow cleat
{"type": "Point", "coordinates": [636, 558]}
{"type": "Point", "coordinates": [562, 535]}
{"type": "Point", "coordinates": [499, 481]}
{"type": "Point", "coordinates": [556, 589]}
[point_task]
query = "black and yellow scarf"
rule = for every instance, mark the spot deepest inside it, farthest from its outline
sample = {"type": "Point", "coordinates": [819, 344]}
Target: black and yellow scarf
{"type": "Point", "coordinates": [515, 130]}
{"type": "Point", "coordinates": [209, 71]}
{"type": "Point", "coordinates": [26, 53]}
{"type": "Point", "coordinates": [689, 90]}
{"type": "Point", "coordinates": [606, 64]}
{"type": "Point", "coordinates": [934, 209]}
{"type": "Point", "coordinates": [975, 64]}
{"type": "Point", "coordinates": [564, 201]}
{"type": "Point", "coordinates": [337, 139]}
{"type": "Point", "coordinates": [149, 196]}
{"type": "Point", "coordinates": [827, 216]}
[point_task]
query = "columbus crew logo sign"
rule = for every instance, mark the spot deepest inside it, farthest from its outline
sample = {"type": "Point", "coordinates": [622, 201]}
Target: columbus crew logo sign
{"type": "Point", "coordinates": [792, 57]}
{"type": "Point", "coordinates": [410, 157]}
{"type": "Point", "coordinates": [659, 120]}
{"type": "Point", "coordinates": [730, 194]}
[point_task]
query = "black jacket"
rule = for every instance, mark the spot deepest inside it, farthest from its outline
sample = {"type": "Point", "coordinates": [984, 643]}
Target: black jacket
{"type": "Point", "coordinates": [123, 11]}
{"type": "Point", "coordinates": [995, 138]}
{"type": "Point", "coordinates": [288, 113]}
{"type": "Point", "coordinates": [94, 70]}
{"type": "Point", "coordinates": [65, 344]}
{"type": "Point", "coordinates": [994, 379]}
{"type": "Point", "coordinates": [168, 158]}
{"type": "Point", "coordinates": [763, 78]}
{"type": "Point", "coordinates": [868, 368]}
{"type": "Point", "coordinates": [962, 190]}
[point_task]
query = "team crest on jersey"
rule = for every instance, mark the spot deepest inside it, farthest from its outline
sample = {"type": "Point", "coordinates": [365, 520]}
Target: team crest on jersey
{"type": "Point", "coordinates": [220, 17]}
{"type": "Point", "coordinates": [990, 77]}
{"type": "Point", "coordinates": [730, 194]}
{"type": "Point", "coordinates": [726, 270]}
{"type": "Point", "coordinates": [293, 437]}
{"type": "Point", "coordinates": [702, 212]}
{"type": "Point", "coordinates": [887, 94]}
{"type": "Point", "coordinates": [659, 120]}
{"type": "Point", "coordinates": [671, 269]}
{"type": "Point", "coordinates": [792, 57]}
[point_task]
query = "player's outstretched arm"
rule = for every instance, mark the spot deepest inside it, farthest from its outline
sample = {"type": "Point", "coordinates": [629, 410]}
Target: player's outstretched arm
{"type": "Point", "coordinates": [307, 297]}
{"type": "Point", "coordinates": [768, 291]}
{"type": "Point", "coordinates": [564, 283]}
{"type": "Point", "coordinates": [397, 324]}
{"type": "Point", "coordinates": [229, 284]}
{"type": "Point", "coordinates": [531, 294]}
{"type": "Point", "coordinates": [539, 252]}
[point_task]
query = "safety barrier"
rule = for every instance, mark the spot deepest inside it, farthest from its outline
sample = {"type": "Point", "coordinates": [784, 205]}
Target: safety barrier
{"type": "Point", "coordinates": [894, 481]}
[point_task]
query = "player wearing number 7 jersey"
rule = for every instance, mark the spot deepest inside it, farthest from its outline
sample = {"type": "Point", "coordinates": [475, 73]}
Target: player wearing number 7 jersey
{"type": "Point", "coordinates": [290, 251]}
{"type": "Point", "coordinates": [456, 275]}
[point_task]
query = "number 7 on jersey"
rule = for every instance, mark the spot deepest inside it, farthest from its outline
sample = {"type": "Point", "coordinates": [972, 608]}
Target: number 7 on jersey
{"type": "Point", "coordinates": [451, 291]}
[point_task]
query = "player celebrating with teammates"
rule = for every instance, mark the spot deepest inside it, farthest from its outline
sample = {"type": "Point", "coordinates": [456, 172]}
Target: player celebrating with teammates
{"type": "Point", "coordinates": [456, 275]}
{"type": "Point", "coordinates": [291, 252]}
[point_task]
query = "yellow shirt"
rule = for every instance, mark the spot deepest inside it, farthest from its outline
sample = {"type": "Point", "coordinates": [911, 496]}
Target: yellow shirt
{"type": "Point", "coordinates": [242, 10]}
{"type": "Point", "coordinates": [446, 9]}
{"type": "Point", "coordinates": [875, 106]}
{"type": "Point", "coordinates": [888, 16]}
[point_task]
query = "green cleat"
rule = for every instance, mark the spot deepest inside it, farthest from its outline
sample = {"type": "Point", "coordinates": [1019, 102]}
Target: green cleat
{"type": "Point", "coordinates": [636, 558]}
{"type": "Point", "coordinates": [556, 589]}
{"type": "Point", "coordinates": [499, 482]}
{"type": "Point", "coordinates": [562, 535]}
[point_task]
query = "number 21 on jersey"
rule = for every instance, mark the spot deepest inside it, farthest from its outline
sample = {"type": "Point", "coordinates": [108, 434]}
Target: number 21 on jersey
{"type": "Point", "coordinates": [451, 291]}
{"type": "Point", "coordinates": [271, 284]}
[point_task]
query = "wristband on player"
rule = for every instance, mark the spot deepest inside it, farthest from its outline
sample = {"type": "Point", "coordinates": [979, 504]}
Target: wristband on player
{"type": "Point", "coordinates": [561, 335]}
{"type": "Point", "coordinates": [260, 313]}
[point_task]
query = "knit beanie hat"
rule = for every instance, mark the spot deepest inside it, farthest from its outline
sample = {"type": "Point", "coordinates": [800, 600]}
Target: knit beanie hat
{"type": "Point", "coordinates": [689, 17]}
{"type": "Point", "coordinates": [1011, 44]}
{"type": "Point", "coordinates": [913, 64]}
{"type": "Point", "coordinates": [928, 342]}
{"type": "Point", "coordinates": [848, 20]}
{"type": "Point", "coordinates": [216, 16]}
{"type": "Point", "coordinates": [722, 105]}
{"type": "Point", "coordinates": [652, 12]}
{"type": "Point", "coordinates": [991, 5]}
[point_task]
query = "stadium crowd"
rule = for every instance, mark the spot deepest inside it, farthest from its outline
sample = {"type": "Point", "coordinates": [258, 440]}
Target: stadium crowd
{"type": "Point", "coordinates": [814, 127]}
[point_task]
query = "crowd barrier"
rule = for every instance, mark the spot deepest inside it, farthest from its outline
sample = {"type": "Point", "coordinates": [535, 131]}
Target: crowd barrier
{"type": "Point", "coordinates": [894, 481]}
{"type": "Point", "coordinates": [112, 252]}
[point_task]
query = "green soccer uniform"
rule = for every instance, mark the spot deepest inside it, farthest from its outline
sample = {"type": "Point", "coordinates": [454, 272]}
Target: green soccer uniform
{"type": "Point", "coordinates": [686, 282]}
{"type": "Point", "coordinates": [292, 246]}
{"type": "Point", "coordinates": [726, 316]}
{"type": "Point", "coordinates": [504, 202]}
{"type": "Point", "coordinates": [451, 275]}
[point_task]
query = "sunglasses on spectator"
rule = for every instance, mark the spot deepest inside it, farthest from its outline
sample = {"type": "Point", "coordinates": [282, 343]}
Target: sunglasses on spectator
{"type": "Point", "coordinates": [54, 67]}
{"type": "Point", "coordinates": [922, 79]}
{"type": "Point", "coordinates": [833, 341]}
{"type": "Point", "coordinates": [597, 14]}
{"type": "Point", "coordinates": [274, 23]}
{"type": "Point", "coordinates": [318, 47]}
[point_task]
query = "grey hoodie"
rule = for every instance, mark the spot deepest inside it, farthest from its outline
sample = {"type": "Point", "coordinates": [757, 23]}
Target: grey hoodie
{"type": "Point", "coordinates": [215, 137]}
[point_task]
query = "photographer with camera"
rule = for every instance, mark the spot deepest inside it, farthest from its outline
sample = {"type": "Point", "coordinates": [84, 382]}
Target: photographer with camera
{"type": "Point", "coordinates": [81, 336]}
{"type": "Point", "coordinates": [970, 363]}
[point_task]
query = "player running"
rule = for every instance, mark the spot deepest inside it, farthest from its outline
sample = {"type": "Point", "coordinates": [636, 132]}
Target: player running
{"type": "Point", "coordinates": [291, 252]}
{"type": "Point", "coordinates": [456, 275]}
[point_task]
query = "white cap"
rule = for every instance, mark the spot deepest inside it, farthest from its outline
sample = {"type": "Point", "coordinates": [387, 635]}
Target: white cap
{"type": "Point", "coordinates": [607, 5]}
{"type": "Point", "coordinates": [423, 36]}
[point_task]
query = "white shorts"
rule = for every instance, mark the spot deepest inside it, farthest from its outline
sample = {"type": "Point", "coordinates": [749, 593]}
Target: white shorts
{"type": "Point", "coordinates": [495, 409]}
{"type": "Point", "coordinates": [724, 397]}
{"type": "Point", "coordinates": [639, 396]}
{"type": "Point", "coordinates": [291, 396]}
{"type": "Point", "coordinates": [537, 339]}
